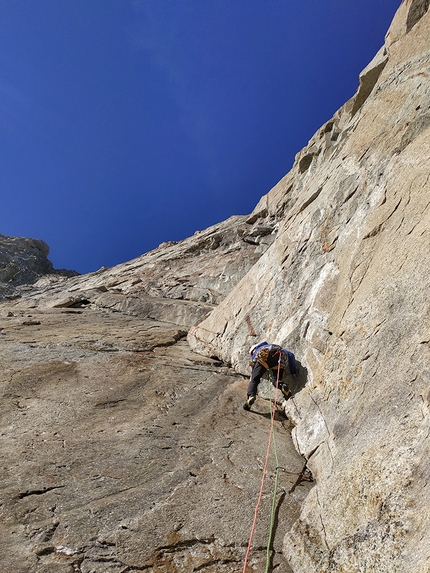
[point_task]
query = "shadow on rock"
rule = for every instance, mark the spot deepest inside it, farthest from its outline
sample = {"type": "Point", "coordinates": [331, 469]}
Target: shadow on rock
{"type": "Point", "coordinates": [279, 416]}
{"type": "Point", "coordinates": [299, 382]}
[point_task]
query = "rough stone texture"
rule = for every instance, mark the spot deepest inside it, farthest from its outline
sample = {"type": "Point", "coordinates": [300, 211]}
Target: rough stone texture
{"type": "Point", "coordinates": [183, 281]}
{"type": "Point", "coordinates": [23, 261]}
{"type": "Point", "coordinates": [124, 451]}
{"type": "Point", "coordinates": [345, 285]}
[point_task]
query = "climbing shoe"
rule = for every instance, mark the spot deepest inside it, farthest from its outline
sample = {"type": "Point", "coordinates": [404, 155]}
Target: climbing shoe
{"type": "Point", "coordinates": [285, 391]}
{"type": "Point", "coordinates": [249, 403]}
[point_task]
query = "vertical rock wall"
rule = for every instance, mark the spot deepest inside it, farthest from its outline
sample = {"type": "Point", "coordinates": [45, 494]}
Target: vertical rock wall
{"type": "Point", "coordinates": [345, 285]}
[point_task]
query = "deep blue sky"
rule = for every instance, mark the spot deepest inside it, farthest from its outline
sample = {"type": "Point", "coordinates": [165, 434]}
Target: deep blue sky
{"type": "Point", "coordinates": [126, 123]}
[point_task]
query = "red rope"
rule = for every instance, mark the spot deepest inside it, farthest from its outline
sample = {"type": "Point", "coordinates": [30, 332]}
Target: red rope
{"type": "Point", "coordinates": [260, 495]}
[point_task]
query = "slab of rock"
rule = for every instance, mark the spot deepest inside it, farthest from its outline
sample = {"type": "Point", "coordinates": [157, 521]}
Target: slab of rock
{"type": "Point", "coordinates": [122, 450]}
{"type": "Point", "coordinates": [182, 282]}
{"type": "Point", "coordinates": [345, 285]}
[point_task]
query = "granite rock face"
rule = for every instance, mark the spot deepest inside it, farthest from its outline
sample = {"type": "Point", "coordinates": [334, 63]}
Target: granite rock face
{"type": "Point", "coordinates": [182, 282]}
{"type": "Point", "coordinates": [346, 286]}
{"type": "Point", "coordinates": [22, 262]}
{"type": "Point", "coordinates": [123, 449]}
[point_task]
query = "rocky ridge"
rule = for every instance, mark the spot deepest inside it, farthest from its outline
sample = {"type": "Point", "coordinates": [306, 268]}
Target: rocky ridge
{"type": "Point", "coordinates": [124, 450]}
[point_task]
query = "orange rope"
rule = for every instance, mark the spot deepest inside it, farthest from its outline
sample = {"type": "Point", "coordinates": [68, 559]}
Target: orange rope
{"type": "Point", "coordinates": [260, 495]}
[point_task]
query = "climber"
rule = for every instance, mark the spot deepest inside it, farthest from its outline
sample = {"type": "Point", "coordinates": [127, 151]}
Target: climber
{"type": "Point", "coordinates": [272, 357]}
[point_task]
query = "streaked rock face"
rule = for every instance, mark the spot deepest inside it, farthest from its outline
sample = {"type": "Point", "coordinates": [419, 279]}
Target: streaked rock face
{"type": "Point", "coordinates": [345, 286]}
{"type": "Point", "coordinates": [122, 450]}
{"type": "Point", "coordinates": [182, 281]}
{"type": "Point", "coordinates": [125, 450]}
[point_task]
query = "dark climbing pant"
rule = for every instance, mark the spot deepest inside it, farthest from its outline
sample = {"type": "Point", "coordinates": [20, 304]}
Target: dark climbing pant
{"type": "Point", "coordinates": [258, 371]}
